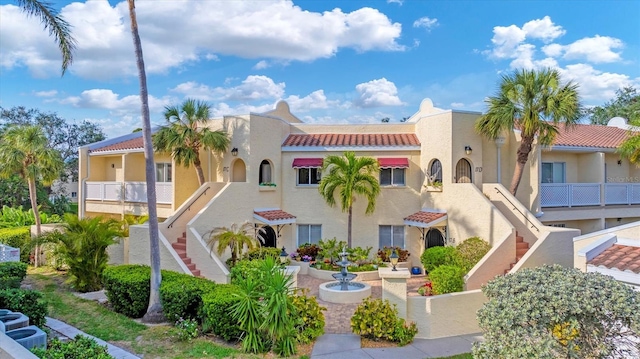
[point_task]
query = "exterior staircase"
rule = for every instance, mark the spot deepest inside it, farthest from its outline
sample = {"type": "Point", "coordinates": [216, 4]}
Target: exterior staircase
{"type": "Point", "coordinates": [181, 248]}
{"type": "Point", "coordinates": [521, 248]}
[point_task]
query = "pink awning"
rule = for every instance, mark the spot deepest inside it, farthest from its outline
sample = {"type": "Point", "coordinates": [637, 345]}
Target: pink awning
{"type": "Point", "coordinates": [393, 162]}
{"type": "Point", "coordinates": [307, 162]}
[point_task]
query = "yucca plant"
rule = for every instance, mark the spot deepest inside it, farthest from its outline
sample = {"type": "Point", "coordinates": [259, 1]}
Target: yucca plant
{"type": "Point", "coordinates": [84, 249]}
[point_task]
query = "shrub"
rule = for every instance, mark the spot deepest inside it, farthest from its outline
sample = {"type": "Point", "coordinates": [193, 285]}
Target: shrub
{"type": "Point", "coordinates": [555, 312]}
{"type": "Point", "coordinates": [434, 257]}
{"type": "Point", "coordinates": [80, 347]}
{"type": "Point", "coordinates": [377, 319]}
{"type": "Point", "coordinates": [12, 274]}
{"type": "Point", "coordinates": [27, 302]}
{"type": "Point", "coordinates": [309, 317]}
{"type": "Point", "coordinates": [308, 249]}
{"type": "Point", "coordinates": [261, 253]}
{"type": "Point", "coordinates": [187, 329]}
{"type": "Point", "coordinates": [244, 269]}
{"type": "Point", "coordinates": [216, 312]}
{"type": "Point", "coordinates": [331, 248]}
{"type": "Point", "coordinates": [182, 295]}
{"type": "Point", "coordinates": [447, 279]}
{"type": "Point", "coordinates": [17, 238]}
{"type": "Point", "coordinates": [359, 255]}
{"type": "Point", "coordinates": [471, 251]}
{"type": "Point", "coordinates": [385, 252]}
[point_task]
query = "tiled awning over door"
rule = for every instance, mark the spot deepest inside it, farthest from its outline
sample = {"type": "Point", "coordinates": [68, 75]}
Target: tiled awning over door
{"type": "Point", "coordinates": [425, 219]}
{"type": "Point", "coordinates": [274, 216]}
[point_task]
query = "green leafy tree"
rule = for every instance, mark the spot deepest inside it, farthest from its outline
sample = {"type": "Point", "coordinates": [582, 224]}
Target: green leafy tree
{"type": "Point", "coordinates": [554, 312]}
{"type": "Point", "coordinates": [14, 192]}
{"type": "Point", "coordinates": [350, 176]}
{"type": "Point", "coordinates": [534, 102]}
{"type": "Point", "coordinates": [24, 151]}
{"type": "Point", "coordinates": [630, 148]}
{"type": "Point", "coordinates": [626, 104]}
{"type": "Point", "coordinates": [186, 134]}
{"type": "Point", "coordinates": [57, 26]}
{"type": "Point", "coordinates": [154, 311]}
{"type": "Point", "coordinates": [235, 238]}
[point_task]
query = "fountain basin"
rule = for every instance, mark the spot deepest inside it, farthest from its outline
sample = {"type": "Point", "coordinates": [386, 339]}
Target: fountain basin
{"type": "Point", "coordinates": [331, 292]}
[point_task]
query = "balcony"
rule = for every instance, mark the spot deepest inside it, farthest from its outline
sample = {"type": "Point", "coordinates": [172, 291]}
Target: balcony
{"type": "Point", "coordinates": [588, 194]}
{"type": "Point", "coordinates": [127, 192]}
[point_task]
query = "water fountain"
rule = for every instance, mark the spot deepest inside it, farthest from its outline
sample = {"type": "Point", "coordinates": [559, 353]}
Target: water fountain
{"type": "Point", "coordinates": [344, 290]}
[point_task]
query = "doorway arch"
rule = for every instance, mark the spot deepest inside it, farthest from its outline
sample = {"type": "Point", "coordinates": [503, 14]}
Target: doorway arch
{"type": "Point", "coordinates": [463, 171]}
{"type": "Point", "coordinates": [433, 238]}
{"type": "Point", "coordinates": [238, 171]}
{"type": "Point", "coordinates": [269, 237]}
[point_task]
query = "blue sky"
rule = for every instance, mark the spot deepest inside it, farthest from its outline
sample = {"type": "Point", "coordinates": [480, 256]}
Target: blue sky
{"type": "Point", "coordinates": [333, 61]}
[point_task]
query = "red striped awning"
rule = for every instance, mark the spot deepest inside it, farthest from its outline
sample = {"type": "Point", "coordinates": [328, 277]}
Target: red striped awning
{"type": "Point", "coordinates": [307, 162]}
{"type": "Point", "coordinates": [393, 162]}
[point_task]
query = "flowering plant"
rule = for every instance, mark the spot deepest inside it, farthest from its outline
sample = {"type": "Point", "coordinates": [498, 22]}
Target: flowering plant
{"type": "Point", "coordinates": [426, 289]}
{"type": "Point", "coordinates": [293, 255]}
{"type": "Point", "coordinates": [306, 258]}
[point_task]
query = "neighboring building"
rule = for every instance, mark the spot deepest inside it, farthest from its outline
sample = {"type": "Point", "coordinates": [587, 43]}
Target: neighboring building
{"type": "Point", "coordinates": [67, 189]}
{"type": "Point", "coordinates": [438, 179]}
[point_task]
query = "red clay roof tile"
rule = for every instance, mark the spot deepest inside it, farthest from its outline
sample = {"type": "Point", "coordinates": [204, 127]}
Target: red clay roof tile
{"type": "Point", "coordinates": [132, 144]}
{"type": "Point", "coordinates": [356, 140]}
{"type": "Point", "coordinates": [425, 217]}
{"type": "Point", "coordinates": [590, 136]}
{"type": "Point", "coordinates": [274, 215]}
{"type": "Point", "coordinates": [619, 257]}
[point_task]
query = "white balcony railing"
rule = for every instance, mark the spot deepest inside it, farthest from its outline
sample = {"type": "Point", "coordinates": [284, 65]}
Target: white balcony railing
{"type": "Point", "coordinates": [588, 194]}
{"type": "Point", "coordinates": [127, 191]}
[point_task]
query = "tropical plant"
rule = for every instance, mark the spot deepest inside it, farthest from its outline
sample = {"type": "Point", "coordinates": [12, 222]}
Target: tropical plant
{"type": "Point", "coordinates": [378, 319]}
{"type": "Point", "coordinates": [350, 176]}
{"type": "Point", "coordinates": [187, 133]}
{"type": "Point", "coordinates": [154, 311]}
{"type": "Point", "coordinates": [330, 248]}
{"type": "Point", "coordinates": [130, 220]}
{"type": "Point", "coordinates": [17, 217]}
{"type": "Point", "coordinates": [24, 150]}
{"type": "Point", "coordinates": [57, 26]}
{"type": "Point", "coordinates": [235, 238]}
{"type": "Point", "coordinates": [555, 312]}
{"type": "Point", "coordinates": [84, 249]}
{"type": "Point", "coordinates": [536, 103]}
{"type": "Point", "coordinates": [630, 148]}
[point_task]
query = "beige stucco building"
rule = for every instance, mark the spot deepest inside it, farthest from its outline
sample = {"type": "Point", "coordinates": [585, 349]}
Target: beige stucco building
{"type": "Point", "coordinates": [441, 183]}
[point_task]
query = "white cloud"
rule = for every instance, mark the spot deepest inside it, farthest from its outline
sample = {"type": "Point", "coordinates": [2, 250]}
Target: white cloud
{"type": "Point", "coordinates": [261, 65]}
{"type": "Point", "coordinates": [399, 2]}
{"type": "Point", "coordinates": [50, 93]}
{"type": "Point", "coordinates": [596, 49]}
{"type": "Point", "coordinates": [314, 101]}
{"type": "Point", "coordinates": [376, 93]}
{"type": "Point", "coordinates": [457, 105]}
{"type": "Point", "coordinates": [552, 50]}
{"type": "Point", "coordinates": [596, 85]}
{"type": "Point", "coordinates": [543, 29]}
{"type": "Point", "coordinates": [507, 40]}
{"type": "Point", "coordinates": [109, 100]}
{"type": "Point", "coordinates": [268, 29]}
{"type": "Point", "coordinates": [426, 22]}
{"type": "Point", "coordinates": [254, 87]}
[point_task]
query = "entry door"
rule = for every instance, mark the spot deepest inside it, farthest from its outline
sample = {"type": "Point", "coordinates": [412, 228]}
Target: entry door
{"type": "Point", "coordinates": [463, 171]}
{"type": "Point", "coordinates": [269, 236]}
{"type": "Point", "coordinates": [433, 238]}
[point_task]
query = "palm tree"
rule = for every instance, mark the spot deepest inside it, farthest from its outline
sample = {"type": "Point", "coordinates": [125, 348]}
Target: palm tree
{"type": "Point", "coordinates": [154, 311]}
{"type": "Point", "coordinates": [630, 148]}
{"type": "Point", "coordinates": [235, 238]}
{"type": "Point", "coordinates": [57, 26]}
{"type": "Point", "coordinates": [352, 176]}
{"type": "Point", "coordinates": [24, 150]}
{"type": "Point", "coordinates": [187, 133]}
{"type": "Point", "coordinates": [535, 103]}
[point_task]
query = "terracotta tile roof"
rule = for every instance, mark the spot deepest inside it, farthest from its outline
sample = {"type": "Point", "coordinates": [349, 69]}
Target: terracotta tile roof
{"type": "Point", "coordinates": [425, 217]}
{"type": "Point", "coordinates": [590, 136]}
{"type": "Point", "coordinates": [353, 139]}
{"type": "Point", "coordinates": [624, 258]}
{"type": "Point", "coordinates": [274, 215]}
{"type": "Point", "coordinates": [132, 144]}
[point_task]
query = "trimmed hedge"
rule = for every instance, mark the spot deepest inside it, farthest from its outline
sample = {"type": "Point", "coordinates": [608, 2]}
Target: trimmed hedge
{"type": "Point", "coordinates": [12, 274]}
{"type": "Point", "coordinates": [182, 296]}
{"type": "Point", "coordinates": [27, 302]}
{"type": "Point", "coordinates": [471, 251]}
{"type": "Point", "coordinates": [216, 312]}
{"type": "Point", "coordinates": [17, 238]}
{"type": "Point", "coordinates": [447, 279]}
{"type": "Point", "coordinates": [434, 257]}
{"type": "Point", "coordinates": [80, 347]}
{"type": "Point", "coordinates": [262, 253]}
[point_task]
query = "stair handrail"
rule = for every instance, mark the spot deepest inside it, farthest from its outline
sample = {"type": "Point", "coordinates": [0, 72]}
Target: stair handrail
{"type": "Point", "coordinates": [175, 217]}
{"type": "Point", "coordinates": [516, 208]}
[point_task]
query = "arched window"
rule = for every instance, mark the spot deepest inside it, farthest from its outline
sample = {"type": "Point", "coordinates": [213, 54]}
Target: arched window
{"type": "Point", "coordinates": [463, 171]}
{"type": "Point", "coordinates": [265, 173]}
{"type": "Point", "coordinates": [435, 171]}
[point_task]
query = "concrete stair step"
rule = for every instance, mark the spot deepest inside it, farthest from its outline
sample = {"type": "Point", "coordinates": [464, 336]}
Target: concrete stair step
{"type": "Point", "coordinates": [521, 251]}
{"type": "Point", "coordinates": [186, 260]}
{"type": "Point", "coordinates": [182, 240]}
{"type": "Point", "coordinates": [519, 239]}
{"type": "Point", "coordinates": [196, 272]}
{"type": "Point", "coordinates": [182, 253]}
{"type": "Point", "coordinates": [522, 245]}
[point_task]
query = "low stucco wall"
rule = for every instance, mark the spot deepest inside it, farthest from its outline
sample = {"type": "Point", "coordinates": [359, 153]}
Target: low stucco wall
{"type": "Point", "coordinates": [119, 252]}
{"type": "Point", "coordinates": [9, 349]}
{"type": "Point", "coordinates": [139, 250]}
{"type": "Point", "coordinates": [209, 264]}
{"type": "Point", "coordinates": [445, 315]}
{"type": "Point", "coordinates": [555, 246]}
{"type": "Point", "coordinates": [494, 263]}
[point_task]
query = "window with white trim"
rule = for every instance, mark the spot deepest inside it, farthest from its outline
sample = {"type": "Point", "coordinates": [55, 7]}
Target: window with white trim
{"type": "Point", "coordinates": [391, 236]}
{"type": "Point", "coordinates": [309, 233]}
{"type": "Point", "coordinates": [309, 176]}
{"type": "Point", "coordinates": [553, 172]}
{"type": "Point", "coordinates": [392, 177]}
{"type": "Point", "coordinates": [74, 194]}
{"type": "Point", "coordinates": [163, 172]}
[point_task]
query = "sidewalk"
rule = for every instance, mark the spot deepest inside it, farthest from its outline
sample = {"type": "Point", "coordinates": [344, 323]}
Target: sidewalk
{"type": "Point", "coordinates": [347, 346]}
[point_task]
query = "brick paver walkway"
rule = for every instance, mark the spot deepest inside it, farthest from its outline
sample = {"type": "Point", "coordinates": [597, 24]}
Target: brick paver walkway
{"type": "Point", "coordinates": [338, 316]}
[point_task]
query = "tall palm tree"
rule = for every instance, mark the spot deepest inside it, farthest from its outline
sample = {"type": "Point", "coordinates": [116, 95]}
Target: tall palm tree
{"type": "Point", "coordinates": [57, 26]}
{"type": "Point", "coordinates": [154, 311]}
{"type": "Point", "coordinates": [536, 103]}
{"type": "Point", "coordinates": [186, 133]}
{"type": "Point", "coordinates": [351, 176]}
{"type": "Point", "coordinates": [630, 148]}
{"type": "Point", "coordinates": [24, 150]}
{"type": "Point", "coordinates": [235, 238]}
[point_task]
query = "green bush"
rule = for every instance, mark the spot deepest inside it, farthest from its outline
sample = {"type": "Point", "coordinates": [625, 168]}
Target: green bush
{"type": "Point", "coordinates": [447, 279]}
{"type": "Point", "coordinates": [244, 269]}
{"type": "Point", "coordinates": [12, 274]}
{"type": "Point", "coordinates": [385, 252]}
{"type": "Point", "coordinates": [555, 312]}
{"type": "Point", "coordinates": [377, 319]}
{"type": "Point", "coordinates": [27, 302]}
{"type": "Point", "coordinates": [471, 251]}
{"type": "Point", "coordinates": [261, 253]}
{"type": "Point", "coordinates": [308, 249]}
{"type": "Point", "coordinates": [182, 295]}
{"type": "Point", "coordinates": [434, 257]}
{"type": "Point", "coordinates": [216, 312]}
{"type": "Point", "coordinates": [80, 347]}
{"type": "Point", "coordinates": [17, 238]}
{"type": "Point", "coordinates": [309, 317]}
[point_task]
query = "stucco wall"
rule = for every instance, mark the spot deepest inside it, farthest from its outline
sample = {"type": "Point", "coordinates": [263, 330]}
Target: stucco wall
{"type": "Point", "coordinates": [9, 349]}
{"type": "Point", "coordinates": [139, 252]}
{"type": "Point", "coordinates": [554, 246]}
{"type": "Point", "coordinates": [631, 230]}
